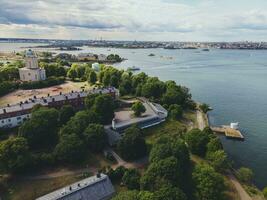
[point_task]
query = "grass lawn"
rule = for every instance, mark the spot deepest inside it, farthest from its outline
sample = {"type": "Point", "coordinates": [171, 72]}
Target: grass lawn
{"type": "Point", "coordinates": [31, 189]}
{"type": "Point", "coordinates": [169, 127]}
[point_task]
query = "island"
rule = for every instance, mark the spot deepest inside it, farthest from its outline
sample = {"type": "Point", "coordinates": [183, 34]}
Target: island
{"type": "Point", "coordinates": [89, 126]}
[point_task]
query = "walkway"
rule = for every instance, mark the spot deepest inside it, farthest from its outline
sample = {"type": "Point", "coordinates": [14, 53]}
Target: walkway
{"type": "Point", "coordinates": [241, 191]}
{"type": "Point", "coordinates": [200, 120]}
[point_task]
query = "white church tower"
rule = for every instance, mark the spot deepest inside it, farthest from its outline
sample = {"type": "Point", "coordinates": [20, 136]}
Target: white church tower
{"type": "Point", "coordinates": [31, 72]}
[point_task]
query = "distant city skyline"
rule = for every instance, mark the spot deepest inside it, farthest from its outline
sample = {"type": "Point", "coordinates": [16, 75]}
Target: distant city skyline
{"type": "Point", "coordinates": [150, 20]}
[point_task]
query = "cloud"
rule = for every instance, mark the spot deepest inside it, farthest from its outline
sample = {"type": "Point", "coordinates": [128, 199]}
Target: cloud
{"type": "Point", "coordinates": [115, 19]}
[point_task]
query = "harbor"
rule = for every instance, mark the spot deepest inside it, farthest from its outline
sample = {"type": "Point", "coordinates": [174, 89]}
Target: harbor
{"type": "Point", "coordinates": [230, 132]}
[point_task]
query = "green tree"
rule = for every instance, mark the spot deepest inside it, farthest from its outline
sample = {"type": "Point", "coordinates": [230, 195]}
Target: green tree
{"type": "Point", "coordinates": [127, 195]}
{"type": "Point", "coordinates": [166, 170]}
{"type": "Point", "coordinates": [41, 130]}
{"type": "Point", "coordinates": [265, 192]}
{"type": "Point", "coordinates": [132, 145]}
{"type": "Point", "coordinates": [145, 195]}
{"type": "Point", "coordinates": [207, 130]}
{"type": "Point", "coordinates": [245, 175]}
{"type": "Point", "coordinates": [70, 149]}
{"type": "Point", "coordinates": [204, 107]}
{"type": "Point", "coordinates": [214, 145]}
{"type": "Point", "coordinates": [153, 88]}
{"type": "Point", "coordinates": [104, 108]}
{"type": "Point", "coordinates": [95, 137]}
{"type": "Point", "coordinates": [92, 78]}
{"type": "Point", "coordinates": [14, 155]}
{"type": "Point", "coordinates": [218, 160]}
{"type": "Point", "coordinates": [72, 73]}
{"type": "Point", "coordinates": [65, 113]}
{"type": "Point", "coordinates": [78, 123]}
{"type": "Point", "coordinates": [90, 101]}
{"type": "Point", "coordinates": [138, 108]}
{"type": "Point", "coordinates": [160, 151]}
{"type": "Point", "coordinates": [126, 86]}
{"type": "Point", "coordinates": [208, 183]}
{"type": "Point", "coordinates": [168, 192]}
{"type": "Point", "coordinates": [197, 142]}
{"type": "Point", "coordinates": [131, 179]}
{"type": "Point", "coordinates": [175, 111]}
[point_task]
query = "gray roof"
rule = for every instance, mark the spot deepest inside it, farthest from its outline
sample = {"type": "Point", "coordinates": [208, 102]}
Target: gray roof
{"type": "Point", "coordinates": [92, 188]}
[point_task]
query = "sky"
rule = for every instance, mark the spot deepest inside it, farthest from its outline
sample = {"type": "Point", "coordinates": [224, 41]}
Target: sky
{"type": "Point", "coordinates": [151, 20]}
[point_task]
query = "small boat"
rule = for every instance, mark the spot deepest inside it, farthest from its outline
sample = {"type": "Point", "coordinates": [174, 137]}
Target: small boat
{"type": "Point", "coordinates": [205, 49]}
{"type": "Point", "coordinates": [133, 68]}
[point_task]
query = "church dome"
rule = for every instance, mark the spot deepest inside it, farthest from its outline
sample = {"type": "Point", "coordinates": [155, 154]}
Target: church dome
{"type": "Point", "coordinates": [30, 53]}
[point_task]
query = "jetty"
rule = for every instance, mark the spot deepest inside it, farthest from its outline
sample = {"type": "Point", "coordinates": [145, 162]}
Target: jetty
{"type": "Point", "coordinates": [231, 132]}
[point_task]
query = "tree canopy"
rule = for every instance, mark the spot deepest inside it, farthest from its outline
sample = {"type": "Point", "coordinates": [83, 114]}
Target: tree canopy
{"type": "Point", "coordinates": [131, 179]}
{"type": "Point", "coordinates": [14, 155]}
{"type": "Point", "coordinates": [138, 108]}
{"type": "Point", "coordinates": [209, 184]}
{"type": "Point", "coordinates": [197, 141]}
{"type": "Point", "coordinates": [95, 137]}
{"type": "Point", "coordinates": [245, 174]}
{"type": "Point", "coordinates": [41, 130]}
{"type": "Point", "coordinates": [70, 149]}
{"type": "Point", "coordinates": [132, 145]}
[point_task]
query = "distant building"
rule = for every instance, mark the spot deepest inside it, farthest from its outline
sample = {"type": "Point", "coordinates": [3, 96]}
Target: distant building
{"type": "Point", "coordinates": [14, 115]}
{"type": "Point", "coordinates": [102, 57]}
{"type": "Point", "coordinates": [32, 72]}
{"type": "Point", "coordinates": [97, 187]}
{"type": "Point", "coordinates": [87, 57]}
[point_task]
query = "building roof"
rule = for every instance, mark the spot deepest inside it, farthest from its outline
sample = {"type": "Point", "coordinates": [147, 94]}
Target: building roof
{"type": "Point", "coordinates": [30, 53]}
{"type": "Point", "coordinates": [28, 104]}
{"type": "Point", "coordinates": [92, 188]}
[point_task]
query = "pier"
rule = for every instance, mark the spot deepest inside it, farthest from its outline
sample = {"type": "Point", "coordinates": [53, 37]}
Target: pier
{"type": "Point", "coordinates": [229, 132]}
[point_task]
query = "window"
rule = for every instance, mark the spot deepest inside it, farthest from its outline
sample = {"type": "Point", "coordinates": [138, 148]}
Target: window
{"type": "Point", "coordinates": [9, 120]}
{"type": "Point", "coordinates": [18, 118]}
{"type": "Point", "coordinates": [3, 121]}
{"type": "Point", "coordinates": [29, 74]}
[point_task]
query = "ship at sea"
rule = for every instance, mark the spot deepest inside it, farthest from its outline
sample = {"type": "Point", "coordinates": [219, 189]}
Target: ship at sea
{"type": "Point", "coordinates": [133, 68]}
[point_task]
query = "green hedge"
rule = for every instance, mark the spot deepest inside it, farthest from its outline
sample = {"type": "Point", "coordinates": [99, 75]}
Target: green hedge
{"type": "Point", "coordinates": [7, 86]}
{"type": "Point", "coordinates": [42, 84]}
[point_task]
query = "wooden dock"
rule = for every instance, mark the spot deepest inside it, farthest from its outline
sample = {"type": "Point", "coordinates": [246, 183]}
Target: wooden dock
{"type": "Point", "coordinates": [229, 132]}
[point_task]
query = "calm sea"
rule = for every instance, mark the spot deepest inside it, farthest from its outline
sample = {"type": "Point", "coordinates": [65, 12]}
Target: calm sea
{"type": "Point", "coordinates": [233, 82]}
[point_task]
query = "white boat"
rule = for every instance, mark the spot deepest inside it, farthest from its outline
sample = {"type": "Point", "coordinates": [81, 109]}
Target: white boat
{"type": "Point", "coordinates": [133, 68]}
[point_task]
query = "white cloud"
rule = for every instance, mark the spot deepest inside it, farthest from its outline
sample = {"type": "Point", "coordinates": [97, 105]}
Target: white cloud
{"type": "Point", "coordinates": [128, 19]}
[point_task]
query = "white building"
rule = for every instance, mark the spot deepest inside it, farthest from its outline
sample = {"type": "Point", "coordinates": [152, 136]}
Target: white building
{"type": "Point", "coordinates": [96, 67]}
{"type": "Point", "coordinates": [32, 72]}
{"type": "Point", "coordinates": [102, 57]}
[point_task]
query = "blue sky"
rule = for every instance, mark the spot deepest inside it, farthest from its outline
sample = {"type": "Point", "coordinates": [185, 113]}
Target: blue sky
{"type": "Point", "coordinates": [163, 20]}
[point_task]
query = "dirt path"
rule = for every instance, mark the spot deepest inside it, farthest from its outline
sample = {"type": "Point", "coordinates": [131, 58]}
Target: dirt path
{"type": "Point", "coordinates": [65, 172]}
{"type": "Point", "coordinates": [200, 120]}
{"type": "Point", "coordinates": [241, 191]}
